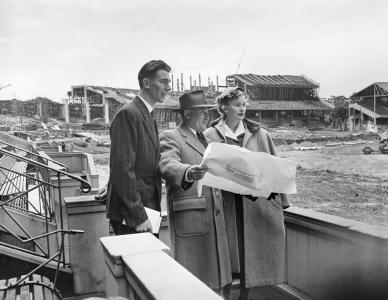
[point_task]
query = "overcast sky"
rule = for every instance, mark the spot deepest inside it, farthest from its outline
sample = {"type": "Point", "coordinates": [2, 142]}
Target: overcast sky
{"type": "Point", "coordinates": [47, 46]}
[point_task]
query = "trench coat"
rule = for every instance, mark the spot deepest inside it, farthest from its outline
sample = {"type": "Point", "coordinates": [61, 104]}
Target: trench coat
{"type": "Point", "coordinates": [264, 233]}
{"type": "Point", "coordinates": [197, 224]}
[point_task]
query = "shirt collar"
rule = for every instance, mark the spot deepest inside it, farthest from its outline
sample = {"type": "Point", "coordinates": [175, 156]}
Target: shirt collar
{"type": "Point", "coordinates": [240, 130]}
{"type": "Point", "coordinates": [192, 130]}
{"type": "Point", "coordinates": [150, 108]}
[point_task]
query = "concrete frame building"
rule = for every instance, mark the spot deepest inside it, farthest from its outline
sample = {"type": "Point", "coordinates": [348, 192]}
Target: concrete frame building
{"type": "Point", "coordinates": [370, 104]}
{"type": "Point", "coordinates": [280, 97]}
{"type": "Point", "coordinates": [93, 102]}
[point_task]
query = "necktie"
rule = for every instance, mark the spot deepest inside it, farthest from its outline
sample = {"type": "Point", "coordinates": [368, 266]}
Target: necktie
{"type": "Point", "coordinates": [201, 138]}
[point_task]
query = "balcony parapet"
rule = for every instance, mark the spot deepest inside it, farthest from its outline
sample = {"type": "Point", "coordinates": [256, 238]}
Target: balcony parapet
{"type": "Point", "coordinates": [138, 266]}
{"type": "Point", "coordinates": [86, 256]}
{"type": "Point", "coordinates": [80, 164]}
{"type": "Point", "coordinates": [329, 257]}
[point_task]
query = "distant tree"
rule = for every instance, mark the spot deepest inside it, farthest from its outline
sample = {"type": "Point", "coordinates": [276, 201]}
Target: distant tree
{"type": "Point", "coordinates": [340, 112]}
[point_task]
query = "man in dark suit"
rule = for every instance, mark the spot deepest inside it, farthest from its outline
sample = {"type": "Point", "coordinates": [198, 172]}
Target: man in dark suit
{"type": "Point", "coordinates": [134, 181]}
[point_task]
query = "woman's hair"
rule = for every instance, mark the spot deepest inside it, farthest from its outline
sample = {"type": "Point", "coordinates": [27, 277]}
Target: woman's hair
{"type": "Point", "coordinates": [228, 95]}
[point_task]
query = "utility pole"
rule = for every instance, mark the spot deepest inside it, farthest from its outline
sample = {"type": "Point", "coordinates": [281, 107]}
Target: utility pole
{"type": "Point", "coordinates": [182, 82]}
{"type": "Point", "coordinates": [374, 105]}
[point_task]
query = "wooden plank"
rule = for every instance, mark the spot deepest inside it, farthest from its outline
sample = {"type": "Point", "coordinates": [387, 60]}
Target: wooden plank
{"type": "Point", "coordinates": [38, 290]}
{"type": "Point", "coordinates": [11, 293]}
{"type": "Point", "coordinates": [18, 168]}
{"type": "Point", "coordinates": [48, 294]}
{"type": "Point", "coordinates": [2, 293]}
{"type": "Point", "coordinates": [25, 292]}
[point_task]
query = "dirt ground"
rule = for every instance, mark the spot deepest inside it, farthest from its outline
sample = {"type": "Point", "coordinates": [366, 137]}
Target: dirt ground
{"type": "Point", "coordinates": [342, 182]}
{"type": "Point", "coordinates": [338, 180]}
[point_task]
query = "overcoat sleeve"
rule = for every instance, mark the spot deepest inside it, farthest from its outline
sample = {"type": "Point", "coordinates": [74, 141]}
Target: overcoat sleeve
{"type": "Point", "coordinates": [124, 136]}
{"type": "Point", "coordinates": [170, 164]}
{"type": "Point", "coordinates": [272, 149]}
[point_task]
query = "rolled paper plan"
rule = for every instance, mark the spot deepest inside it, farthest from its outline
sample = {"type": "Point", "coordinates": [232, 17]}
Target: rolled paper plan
{"type": "Point", "coordinates": [241, 171]}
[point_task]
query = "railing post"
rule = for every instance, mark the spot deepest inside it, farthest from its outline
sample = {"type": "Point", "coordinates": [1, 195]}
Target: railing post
{"type": "Point", "coordinates": [86, 256]}
{"type": "Point", "coordinates": [61, 214]}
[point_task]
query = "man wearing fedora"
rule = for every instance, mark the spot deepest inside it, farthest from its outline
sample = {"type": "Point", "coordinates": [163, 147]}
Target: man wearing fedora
{"type": "Point", "coordinates": [197, 225]}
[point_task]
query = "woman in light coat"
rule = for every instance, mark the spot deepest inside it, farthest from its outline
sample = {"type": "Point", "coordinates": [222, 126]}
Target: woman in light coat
{"type": "Point", "coordinates": [255, 226]}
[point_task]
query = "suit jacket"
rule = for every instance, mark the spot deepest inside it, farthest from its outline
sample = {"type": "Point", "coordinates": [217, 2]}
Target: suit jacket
{"type": "Point", "coordinates": [197, 224]}
{"type": "Point", "coordinates": [134, 180]}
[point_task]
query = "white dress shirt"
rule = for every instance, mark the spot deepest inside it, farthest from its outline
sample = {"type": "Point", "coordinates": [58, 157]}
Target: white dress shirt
{"type": "Point", "coordinates": [149, 106]}
{"type": "Point", "coordinates": [233, 135]}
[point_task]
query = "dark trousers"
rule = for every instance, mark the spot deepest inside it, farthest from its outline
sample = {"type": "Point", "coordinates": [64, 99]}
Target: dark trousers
{"type": "Point", "coordinates": [120, 229]}
{"type": "Point", "coordinates": [241, 247]}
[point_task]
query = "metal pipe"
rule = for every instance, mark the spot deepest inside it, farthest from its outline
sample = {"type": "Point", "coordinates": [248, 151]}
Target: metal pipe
{"type": "Point", "coordinates": [40, 156]}
{"type": "Point", "coordinates": [84, 183]}
{"type": "Point", "coordinates": [60, 207]}
{"type": "Point", "coordinates": [37, 268]}
{"type": "Point", "coordinates": [27, 176]}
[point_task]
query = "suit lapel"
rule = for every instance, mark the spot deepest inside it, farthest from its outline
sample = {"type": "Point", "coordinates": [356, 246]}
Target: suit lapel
{"type": "Point", "coordinates": [191, 139]}
{"type": "Point", "coordinates": [149, 121]}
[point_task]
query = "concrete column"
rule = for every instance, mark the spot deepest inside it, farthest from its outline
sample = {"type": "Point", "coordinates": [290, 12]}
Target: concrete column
{"type": "Point", "coordinates": [106, 109]}
{"type": "Point", "coordinates": [40, 109]}
{"type": "Point", "coordinates": [115, 248]}
{"type": "Point", "coordinates": [87, 105]}
{"type": "Point", "coordinates": [86, 255]}
{"type": "Point", "coordinates": [66, 112]}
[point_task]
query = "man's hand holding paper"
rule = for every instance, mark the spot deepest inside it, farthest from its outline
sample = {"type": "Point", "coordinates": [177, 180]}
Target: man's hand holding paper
{"type": "Point", "coordinates": [241, 171]}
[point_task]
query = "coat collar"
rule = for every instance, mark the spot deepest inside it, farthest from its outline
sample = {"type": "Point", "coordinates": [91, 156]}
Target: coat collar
{"type": "Point", "coordinates": [251, 127]}
{"type": "Point", "coordinates": [191, 139]}
{"type": "Point", "coordinates": [149, 121]}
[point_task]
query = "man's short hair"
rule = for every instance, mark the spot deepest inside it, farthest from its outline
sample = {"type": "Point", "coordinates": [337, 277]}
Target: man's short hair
{"type": "Point", "coordinates": [150, 69]}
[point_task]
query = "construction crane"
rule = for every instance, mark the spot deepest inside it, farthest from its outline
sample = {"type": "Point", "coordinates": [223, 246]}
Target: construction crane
{"type": "Point", "coordinates": [241, 58]}
{"type": "Point", "coordinates": [4, 86]}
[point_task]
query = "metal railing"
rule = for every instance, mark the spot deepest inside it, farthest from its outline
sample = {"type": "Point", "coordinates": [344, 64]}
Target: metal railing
{"type": "Point", "coordinates": [29, 186]}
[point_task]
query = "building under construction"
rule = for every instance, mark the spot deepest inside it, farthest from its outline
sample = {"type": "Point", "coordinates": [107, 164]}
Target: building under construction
{"type": "Point", "coordinates": [370, 104]}
{"type": "Point", "coordinates": [39, 106]}
{"type": "Point", "coordinates": [281, 97]}
{"type": "Point", "coordinates": [94, 103]}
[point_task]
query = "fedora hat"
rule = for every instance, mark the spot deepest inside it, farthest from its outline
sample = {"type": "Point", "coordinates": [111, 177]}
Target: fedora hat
{"type": "Point", "coordinates": [193, 99]}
